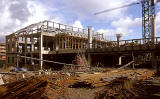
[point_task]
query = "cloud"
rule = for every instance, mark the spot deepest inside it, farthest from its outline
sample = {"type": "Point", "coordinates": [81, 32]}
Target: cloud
{"type": "Point", "coordinates": [78, 24]}
{"type": "Point", "coordinates": [123, 26]}
{"type": "Point", "coordinates": [16, 14]}
{"type": "Point", "coordinates": [127, 22]}
{"type": "Point", "coordinates": [85, 9]}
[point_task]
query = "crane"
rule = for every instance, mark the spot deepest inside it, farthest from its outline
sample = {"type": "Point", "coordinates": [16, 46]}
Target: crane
{"type": "Point", "coordinates": [148, 16]}
{"type": "Point", "coordinates": [148, 24]}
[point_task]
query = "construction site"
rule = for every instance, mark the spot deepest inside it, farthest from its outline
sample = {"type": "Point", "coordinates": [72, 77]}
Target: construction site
{"type": "Point", "coordinates": [50, 60]}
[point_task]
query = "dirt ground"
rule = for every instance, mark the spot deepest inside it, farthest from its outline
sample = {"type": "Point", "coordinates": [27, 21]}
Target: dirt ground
{"type": "Point", "coordinates": [113, 84]}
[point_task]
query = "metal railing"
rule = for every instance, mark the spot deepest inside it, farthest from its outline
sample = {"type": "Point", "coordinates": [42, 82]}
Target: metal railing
{"type": "Point", "coordinates": [147, 43]}
{"type": "Point", "coordinates": [57, 28]}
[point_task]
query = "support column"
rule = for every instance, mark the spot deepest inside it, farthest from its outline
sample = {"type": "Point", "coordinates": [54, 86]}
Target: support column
{"type": "Point", "coordinates": [72, 42]}
{"type": "Point", "coordinates": [40, 51]}
{"type": "Point", "coordinates": [75, 47]}
{"type": "Point", "coordinates": [120, 60]}
{"type": "Point", "coordinates": [154, 57]}
{"type": "Point", "coordinates": [25, 54]}
{"type": "Point", "coordinates": [154, 62]}
{"type": "Point", "coordinates": [17, 53]}
{"type": "Point", "coordinates": [56, 44]}
{"type": "Point", "coordinates": [68, 42]}
{"type": "Point", "coordinates": [95, 44]}
{"type": "Point", "coordinates": [65, 39]}
{"type": "Point", "coordinates": [81, 44]}
{"type": "Point", "coordinates": [78, 43]}
{"type": "Point", "coordinates": [62, 43]}
{"type": "Point", "coordinates": [133, 60]}
{"type": "Point", "coordinates": [89, 44]}
{"type": "Point", "coordinates": [118, 39]}
{"type": "Point", "coordinates": [89, 59]}
{"type": "Point", "coordinates": [89, 37]}
{"type": "Point", "coordinates": [32, 49]}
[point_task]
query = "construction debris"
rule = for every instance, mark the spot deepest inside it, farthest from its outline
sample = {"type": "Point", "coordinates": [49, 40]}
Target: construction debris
{"type": "Point", "coordinates": [28, 88]}
{"type": "Point", "coordinates": [1, 80]}
{"type": "Point", "coordinates": [101, 79]}
{"type": "Point", "coordinates": [60, 85]}
{"type": "Point", "coordinates": [121, 88]}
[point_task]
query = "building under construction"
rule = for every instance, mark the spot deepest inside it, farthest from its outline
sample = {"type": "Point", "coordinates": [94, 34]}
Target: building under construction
{"type": "Point", "coordinates": [45, 40]}
{"type": "Point", "coordinates": [89, 66]}
{"type": "Point", "coordinates": [2, 51]}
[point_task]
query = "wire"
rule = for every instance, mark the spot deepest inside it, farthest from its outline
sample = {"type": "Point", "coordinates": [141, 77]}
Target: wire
{"type": "Point", "coordinates": [48, 61]}
{"type": "Point", "coordinates": [117, 8]}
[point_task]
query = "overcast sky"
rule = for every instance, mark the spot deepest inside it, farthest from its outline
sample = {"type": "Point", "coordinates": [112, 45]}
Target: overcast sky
{"type": "Point", "coordinates": [15, 14]}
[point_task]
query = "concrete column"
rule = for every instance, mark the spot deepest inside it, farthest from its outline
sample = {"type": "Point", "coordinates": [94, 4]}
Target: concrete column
{"type": "Point", "coordinates": [25, 53]}
{"type": "Point", "coordinates": [78, 43]}
{"type": "Point", "coordinates": [17, 54]}
{"type": "Point", "coordinates": [120, 60]}
{"type": "Point", "coordinates": [32, 49]}
{"type": "Point", "coordinates": [62, 43]}
{"type": "Point", "coordinates": [54, 43]}
{"type": "Point", "coordinates": [154, 57]}
{"type": "Point", "coordinates": [68, 42]}
{"type": "Point", "coordinates": [75, 46]}
{"type": "Point", "coordinates": [95, 44]}
{"type": "Point", "coordinates": [72, 43]}
{"type": "Point", "coordinates": [154, 62]}
{"type": "Point", "coordinates": [57, 47]}
{"type": "Point", "coordinates": [59, 42]}
{"type": "Point", "coordinates": [89, 59]}
{"type": "Point", "coordinates": [89, 44]}
{"type": "Point", "coordinates": [65, 39]}
{"type": "Point", "coordinates": [133, 60]}
{"type": "Point", "coordinates": [40, 51]}
{"type": "Point", "coordinates": [89, 37]}
{"type": "Point", "coordinates": [81, 44]}
{"type": "Point", "coordinates": [118, 39]}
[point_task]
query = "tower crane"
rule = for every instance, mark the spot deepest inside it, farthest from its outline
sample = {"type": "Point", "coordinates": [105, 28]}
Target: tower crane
{"type": "Point", "coordinates": [148, 16]}
{"type": "Point", "coordinates": [148, 24]}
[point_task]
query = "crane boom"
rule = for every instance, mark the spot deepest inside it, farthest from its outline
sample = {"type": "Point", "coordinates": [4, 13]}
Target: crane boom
{"type": "Point", "coordinates": [116, 8]}
{"type": "Point", "coordinates": [148, 16]}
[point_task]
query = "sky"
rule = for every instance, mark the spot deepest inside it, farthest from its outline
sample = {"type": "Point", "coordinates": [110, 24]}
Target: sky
{"type": "Point", "coordinates": [16, 14]}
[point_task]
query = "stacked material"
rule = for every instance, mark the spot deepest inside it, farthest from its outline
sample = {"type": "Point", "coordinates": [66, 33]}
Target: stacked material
{"type": "Point", "coordinates": [27, 89]}
{"type": "Point", "coordinates": [37, 87]}
{"type": "Point", "coordinates": [121, 88]}
{"type": "Point", "coordinates": [101, 79]}
{"type": "Point", "coordinates": [1, 80]}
